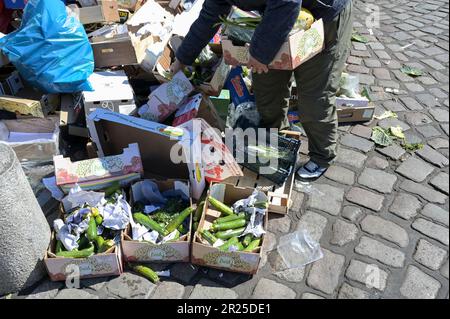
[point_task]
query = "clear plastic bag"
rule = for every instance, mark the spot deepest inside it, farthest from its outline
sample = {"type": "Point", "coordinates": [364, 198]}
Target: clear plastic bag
{"type": "Point", "coordinates": [349, 86]}
{"type": "Point", "coordinates": [298, 249]}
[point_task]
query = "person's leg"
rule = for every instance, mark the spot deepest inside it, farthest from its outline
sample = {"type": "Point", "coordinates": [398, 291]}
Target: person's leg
{"type": "Point", "coordinates": [272, 97]}
{"type": "Point", "coordinates": [317, 82]}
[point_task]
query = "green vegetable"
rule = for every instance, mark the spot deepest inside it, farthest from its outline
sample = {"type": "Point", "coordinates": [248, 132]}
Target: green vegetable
{"type": "Point", "coordinates": [177, 221]}
{"type": "Point", "coordinates": [98, 220]}
{"type": "Point", "coordinates": [247, 239]}
{"type": "Point", "coordinates": [59, 246]}
{"type": "Point", "coordinates": [229, 218]}
{"type": "Point", "coordinates": [210, 238]}
{"type": "Point", "coordinates": [411, 71]}
{"type": "Point", "coordinates": [195, 226]}
{"type": "Point", "coordinates": [381, 136]}
{"type": "Point", "coordinates": [77, 253]}
{"type": "Point", "coordinates": [83, 242]}
{"type": "Point", "coordinates": [147, 273]}
{"type": "Point", "coordinates": [150, 224]}
{"type": "Point", "coordinates": [115, 187]}
{"type": "Point", "coordinates": [240, 246]}
{"type": "Point", "coordinates": [221, 207]}
{"type": "Point", "coordinates": [253, 245]}
{"type": "Point", "coordinates": [99, 241]}
{"type": "Point", "coordinates": [177, 236]}
{"type": "Point", "coordinates": [231, 242]}
{"type": "Point", "coordinates": [91, 232]}
{"type": "Point", "coordinates": [227, 234]}
{"type": "Point", "coordinates": [199, 211]}
{"type": "Point", "coordinates": [229, 225]}
{"type": "Point", "coordinates": [359, 38]}
{"type": "Point", "coordinates": [107, 244]}
{"type": "Point", "coordinates": [181, 229]}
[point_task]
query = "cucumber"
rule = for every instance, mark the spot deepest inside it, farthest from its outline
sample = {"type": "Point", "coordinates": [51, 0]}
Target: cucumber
{"type": "Point", "coordinates": [229, 225]}
{"type": "Point", "coordinates": [210, 238]}
{"type": "Point", "coordinates": [99, 241]}
{"type": "Point", "coordinates": [91, 232]}
{"type": "Point", "coordinates": [221, 207]}
{"type": "Point", "coordinates": [177, 221]}
{"type": "Point", "coordinates": [147, 273]}
{"type": "Point", "coordinates": [233, 241]}
{"type": "Point", "coordinates": [195, 226]}
{"type": "Point", "coordinates": [227, 234]}
{"type": "Point", "coordinates": [146, 221]}
{"type": "Point", "coordinates": [199, 211]}
{"type": "Point", "coordinates": [247, 239]}
{"type": "Point", "coordinates": [229, 218]}
{"type": "Point", "coordinates": [239, 246]}
{"type": "Point", "coordinates": [77, 253]}
{"type": "Point", "coordinates": [253, 245]}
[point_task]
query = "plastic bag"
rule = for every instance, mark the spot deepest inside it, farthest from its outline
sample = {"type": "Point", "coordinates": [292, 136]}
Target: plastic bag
{"type": "Point", "coordinates": [50, 49]}
{"type": "Point", "coordinates": [298, 249]}
{"type": "Point", "coordinates": [349, 86]}
{"type": "Point", "coordinates": [243, 116]}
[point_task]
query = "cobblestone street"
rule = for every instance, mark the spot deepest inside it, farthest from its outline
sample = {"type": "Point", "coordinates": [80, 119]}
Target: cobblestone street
{"type": "Point", "coordinates": [380, 212]}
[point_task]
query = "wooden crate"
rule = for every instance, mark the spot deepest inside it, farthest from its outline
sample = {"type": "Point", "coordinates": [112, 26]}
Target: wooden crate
{"type": "Point", "coordinates": [279, 196]}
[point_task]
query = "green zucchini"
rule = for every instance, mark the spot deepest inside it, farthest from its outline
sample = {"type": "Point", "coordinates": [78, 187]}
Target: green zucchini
{"type": "Point", "coordinates": [210, 238]}
{"type": "Point", "coordinates": [99, 241]}
{"type": "Point", "coordinates": [221, 207]}
{"type": "Point", "coordinates": [233, 241]}
{"type": "Point", "coordinates": [91, 232]}
{"type": "Point", "coordinates": [147, 273]}
{"type": "Point", "coordinates": [227, 234]}
{"type": "Point", "coordinates": [77, 253]}
{"type": "Point", "coordinates": [247, 239]}
{"type": "Point", "coordinates": [146, 221]}
{"type": "Point", "coordinates": [253, 245]}
{"type": "Point", "coordinates": [98, 220]}
{"type": "Point", "coordinates": [199, 211]}
{"type": "Point", "coordinates": [229, 218]}
{"type": "Point", "coordinates": [238, 223]}
{"type": "Point", "coordinates": [177, 221]}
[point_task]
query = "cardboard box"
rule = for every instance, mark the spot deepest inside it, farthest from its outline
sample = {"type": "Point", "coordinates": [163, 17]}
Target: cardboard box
{"type": "Point", "coordinates": [166, 99]}
{"type": "Point", "coordinates": [99, 173]}
{"type": "Point", "coordinates": [204, 254]}
{"type": "Point", "coordinates": [279, 195]}
{"type": "Point", "coordinates": [132, 5]}
{"type": "Point", "coordinates": [177, 251]}
{"type": "Point", "coordinates": [342, 102]}
{"type": "Point", "coordinates": [293, 52]}
{"type": "Point", "coordinates": [355, 114]}
{"type": "Point", "coordinates": [105, 11]}
{"type": "Point", "coordinates": [30, 102]}
{"type": "Point", "coordinates": [111, 91]}
{"type": "Point", "coordinates": [162, 148]}
{"type": "Point", "coordinates": [213, 87]}
{"type": "Point", "coordinates": [32, 139]}
{"type": "Point", "coordinates": [10, 82]}
{"type": "Point", "coordinates": [120, 49]}
{"type": "Point", "coordinates": [106, 264]}
{"type": "Point", "coordinates": [199, 106]}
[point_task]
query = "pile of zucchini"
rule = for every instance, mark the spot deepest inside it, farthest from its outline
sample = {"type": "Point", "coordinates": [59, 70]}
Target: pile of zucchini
{"type": "Point", "coordinates": [90, 241]}
{"type": "Point", "coordinates": [172, 217]}
{"type": "Point", "coordinates": [229, 228]}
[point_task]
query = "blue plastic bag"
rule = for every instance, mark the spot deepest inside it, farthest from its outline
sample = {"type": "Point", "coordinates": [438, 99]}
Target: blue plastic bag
{"type": "Point", "coordinates": [50, 50]}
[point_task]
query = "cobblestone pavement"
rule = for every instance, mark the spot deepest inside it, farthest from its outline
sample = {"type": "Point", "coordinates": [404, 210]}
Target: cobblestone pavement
{"type": "Point", "coordinates": [381, 212]}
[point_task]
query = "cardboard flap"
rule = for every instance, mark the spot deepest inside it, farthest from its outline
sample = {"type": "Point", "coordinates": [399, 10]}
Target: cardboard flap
{"type": "Point", "coordinates": [111, 132]}
{"type": "Point", "coordinates": [128, 162]}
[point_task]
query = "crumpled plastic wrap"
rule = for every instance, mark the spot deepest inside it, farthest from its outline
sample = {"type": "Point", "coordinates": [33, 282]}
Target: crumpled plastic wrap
{"type": "Point", "coordinates": [255, 206]}
{"type": "Point", "coordinates": [116, 216]}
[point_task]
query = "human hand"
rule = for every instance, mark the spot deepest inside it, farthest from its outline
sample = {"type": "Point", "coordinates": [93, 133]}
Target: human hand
{"type": "Point", "coordinates": [256, 66]}
{"type": "Point", "coordinates": [176, 66]}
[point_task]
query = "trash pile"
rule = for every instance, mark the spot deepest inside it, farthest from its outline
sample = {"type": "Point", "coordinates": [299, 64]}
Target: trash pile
{"type": "Point", "coordinates": [90, 90]}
